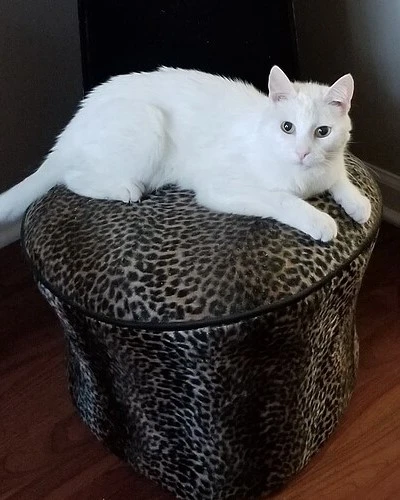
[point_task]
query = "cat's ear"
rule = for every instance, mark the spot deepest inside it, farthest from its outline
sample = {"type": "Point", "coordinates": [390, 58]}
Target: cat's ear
{"type": "Point", "coordinates": [279, 85]}
{"type": "Point", "coordinates": [341, 93]}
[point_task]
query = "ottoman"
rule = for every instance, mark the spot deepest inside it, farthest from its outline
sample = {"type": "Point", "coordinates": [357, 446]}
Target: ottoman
{"type": "Point", "coordinates": [215, 353]}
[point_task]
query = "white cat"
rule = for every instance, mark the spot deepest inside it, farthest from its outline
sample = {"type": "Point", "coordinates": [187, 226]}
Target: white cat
{"type": "Point", "coordinates": [240, 151]}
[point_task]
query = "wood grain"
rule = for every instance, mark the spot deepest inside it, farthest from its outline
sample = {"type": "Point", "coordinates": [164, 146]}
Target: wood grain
{"type": "Point", "coordinates": [47, 453]}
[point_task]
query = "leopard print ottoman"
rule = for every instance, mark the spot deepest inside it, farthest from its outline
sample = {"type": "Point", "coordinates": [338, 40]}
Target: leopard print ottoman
{"type": "Point", "coordinates": [215, 353]}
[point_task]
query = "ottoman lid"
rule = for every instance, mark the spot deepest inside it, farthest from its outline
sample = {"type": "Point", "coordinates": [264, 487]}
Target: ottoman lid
{"type": "Point", "coordinates": [168, 260]}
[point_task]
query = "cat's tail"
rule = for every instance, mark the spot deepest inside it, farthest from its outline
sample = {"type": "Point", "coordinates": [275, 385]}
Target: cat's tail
{"type": "Point", "coordinates": [16, 200]}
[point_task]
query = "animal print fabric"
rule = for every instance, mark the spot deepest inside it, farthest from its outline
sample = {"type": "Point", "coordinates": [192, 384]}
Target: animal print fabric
{"type": "Point", "coordinates": [169, 260]}
{"type": "Point", "coordinates": [227, 390]}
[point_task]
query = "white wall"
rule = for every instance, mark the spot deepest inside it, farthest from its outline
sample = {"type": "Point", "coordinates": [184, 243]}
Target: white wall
{"type": "Point", "coordinates": [40, 82]}
{"type": "Point", "coordinates": [361, 37]}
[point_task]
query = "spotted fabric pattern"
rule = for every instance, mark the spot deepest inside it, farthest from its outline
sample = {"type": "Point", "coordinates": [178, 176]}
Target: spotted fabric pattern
{"type": "Point", "coordinates": [168, 259]}
{"type": "Point", "coordinates": [213, 353]}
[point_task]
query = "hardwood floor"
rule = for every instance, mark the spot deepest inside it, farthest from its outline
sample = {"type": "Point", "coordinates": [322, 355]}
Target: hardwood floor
{"type": "Point", "coordinates": [47, 453]}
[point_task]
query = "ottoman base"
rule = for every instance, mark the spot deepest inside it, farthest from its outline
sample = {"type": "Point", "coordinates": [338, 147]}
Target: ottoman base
{"type": "Point", "coordinates": [222, 412]}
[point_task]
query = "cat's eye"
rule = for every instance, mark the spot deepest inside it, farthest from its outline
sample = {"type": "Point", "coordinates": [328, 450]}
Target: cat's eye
{"type": "Point", "coordinates": [288, 127]}
{"type": "Point", "coordinates": [322, 131]}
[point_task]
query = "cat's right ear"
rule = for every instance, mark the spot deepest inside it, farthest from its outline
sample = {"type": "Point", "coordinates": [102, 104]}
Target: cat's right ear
{"type": "Point", "coordinates": [341, 93]}
{"type": "Point", "coordinates": [279, 85]}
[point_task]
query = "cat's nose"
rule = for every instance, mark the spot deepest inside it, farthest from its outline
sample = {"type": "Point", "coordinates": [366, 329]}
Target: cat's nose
{"type": "Point", "coordinates": [302, 153]}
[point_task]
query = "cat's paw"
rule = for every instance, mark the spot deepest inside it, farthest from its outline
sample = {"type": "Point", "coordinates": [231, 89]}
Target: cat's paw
{"type": "Point", "coordinates": [321, 226]}
{"type": "Point", "coordinates": [358, 208]}
{"type": "Point", "coordinates": [127, 193]}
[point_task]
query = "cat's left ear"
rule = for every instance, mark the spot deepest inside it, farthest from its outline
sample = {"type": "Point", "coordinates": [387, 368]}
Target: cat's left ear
{"type": "Point", "coordinates": [341, 93]}
{"type": "Point", "coordinates": [279, 85]}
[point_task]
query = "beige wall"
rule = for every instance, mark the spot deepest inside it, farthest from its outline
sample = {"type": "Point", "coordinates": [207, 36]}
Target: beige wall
{"type": "Point", "coordinates": [361, 37]}
{"type": "Point", "coordinates": [40, 80]}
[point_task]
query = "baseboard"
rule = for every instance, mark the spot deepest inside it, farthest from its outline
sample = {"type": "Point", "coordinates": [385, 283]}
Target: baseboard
{"type": "Point", "coordinates": [389, 181]}
{"type": "Point", "coordinates": [391, 216]}
{"type": "Point", "coordinates": [9, 233]}
{"type": "Point", "coordinates": [387, 178]}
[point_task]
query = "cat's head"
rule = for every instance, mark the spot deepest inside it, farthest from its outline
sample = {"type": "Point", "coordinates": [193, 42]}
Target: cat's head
{"type": "Point", "coordinates": [310, 122]}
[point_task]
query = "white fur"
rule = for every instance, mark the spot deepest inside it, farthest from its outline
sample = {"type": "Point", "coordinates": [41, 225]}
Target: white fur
{"type": "Point", "coordinates": [217, 137]}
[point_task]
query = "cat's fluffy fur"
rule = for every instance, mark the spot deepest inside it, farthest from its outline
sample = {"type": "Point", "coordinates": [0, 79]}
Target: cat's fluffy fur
{"type": "Point", "coordinates": [223, 139]}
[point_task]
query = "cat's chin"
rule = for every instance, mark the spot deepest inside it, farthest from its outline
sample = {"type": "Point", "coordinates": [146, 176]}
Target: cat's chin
{"type": "Point", "coordinates": [305, 166]}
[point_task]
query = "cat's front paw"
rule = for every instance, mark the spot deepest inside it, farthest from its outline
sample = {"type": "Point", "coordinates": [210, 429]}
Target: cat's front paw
{"type": "Point", "coordinates": [321, 226]}
{"type": "Point", "coordinates": [358, 208]}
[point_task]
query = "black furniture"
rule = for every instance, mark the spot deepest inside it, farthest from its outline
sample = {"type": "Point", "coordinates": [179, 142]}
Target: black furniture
{"type": "Point", "coordinates": [237, 39]}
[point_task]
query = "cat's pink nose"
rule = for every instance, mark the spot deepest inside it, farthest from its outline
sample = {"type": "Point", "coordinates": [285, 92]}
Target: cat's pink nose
{"type": "Point", "coordinates": [302, 153]}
